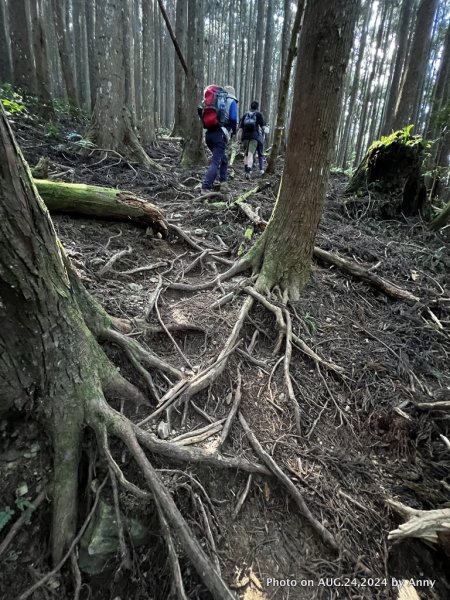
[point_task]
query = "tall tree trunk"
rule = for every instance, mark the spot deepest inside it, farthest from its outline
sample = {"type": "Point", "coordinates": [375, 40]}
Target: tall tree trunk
{"type": "Point", "coordinates": [5, 63]}
{"type": "Point", "coordinates": [21, 51]}
{"type": "Point", "coordinates": [41, 57]}
{"type": "Point", "coordinates": [62, 38]}
{"type": "Point", "coordinates": [284, 89]}
{"type": "Point", "coordinates": [179, 127]}
{"type": "Point", "coordinates": [137, 28]}
{"type": "Point", "coordinates": [285, 248]}
{"type": "Point", "coordinates": [111, 126]}
{"type": "Point", "coordinates": [128, 53]}
{"type": "Point", "coordinates": [266, 92]}
{"type": "Point", "coordinates": [193, 154]}
{"type": "Point", "coordinates": [147, 128]}
{"type": "Point", "coordinates": [415, 69]}
{"type": "Point", "coordinates": [259, 53]}
{"type": "Point", "coordinates": [89, 11]}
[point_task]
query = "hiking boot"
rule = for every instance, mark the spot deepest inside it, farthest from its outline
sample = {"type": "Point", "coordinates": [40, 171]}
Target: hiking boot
{"type": "Point", "coordinates": [262, 171]}
{"type": "Point", "coordinates": [247, 176]}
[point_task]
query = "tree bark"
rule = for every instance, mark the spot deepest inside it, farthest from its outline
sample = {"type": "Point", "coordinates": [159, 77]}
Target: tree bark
{"type": "Point", "coordinates": [5, 63]}
{"type": "Point", "coordinates": [21, 50]}
{"type": "Point", "coordinates": [100, 202]}
{"type": "Point", "coordinates": [147, 128]}
{"type": "Point", "coordinates": [284, 90]}
{"type": "Point", "coordinates": [266, 91]}
{"type": "Point", "coordinates": [64, 51]}
{"type": "Point", "coordinates": [41, 57]}
{"type": "Point", "coordinates": [285, 248]}
{"type": "Point", "coordinates": [111, 126]}
{"type": "Point", "coordinates": [415, 69]}
{"type": "Point", "coordinates": [179, 127]}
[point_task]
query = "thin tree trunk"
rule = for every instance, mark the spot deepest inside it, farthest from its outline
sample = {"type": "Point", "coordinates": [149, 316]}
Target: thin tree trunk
{"type": "Point", "coordinates": [64, 51]}
{"type": "Point", "coordinates": [266, 92]}
{"type": "Point", "coordinates": [21, 50]}
{"type": "Point", "coordinates": [5, 62]}
{"type": "Point", "coordinates": [147, 129]}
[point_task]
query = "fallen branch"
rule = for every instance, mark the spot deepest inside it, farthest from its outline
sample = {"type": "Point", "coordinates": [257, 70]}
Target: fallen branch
{"type": "Point", "coordinates": [422, 524]}
{"type": "Point", "coordinates": [233, 411]}
{"type": "Point", "coordinates": [388, 288]}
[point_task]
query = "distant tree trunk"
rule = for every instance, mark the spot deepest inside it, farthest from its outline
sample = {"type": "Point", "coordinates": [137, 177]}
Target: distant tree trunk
{"type": "Point", "coordinates": [5, 62]}
{"type": "Point", "coordinates": [21, 50]}
{"type": "Point", "coordinates": [285, 34]}
{"type": "Point", "coordinates": [111, 126]}
{"type": "Point", "coordinates": [62, 38]}
{"type": "Point", "coordinates": [179, 127]}
{"type": "Point", "coordinates": [193, 153]}
{"type": "Point", "coordinates": [266, 92]}
{"type": "Point", "coordinates": [128, 53]}
{"type": "Point", "coordinates": [41, 58]}
{"type": "Point", "coordinates": [412, 83]}
{"type": "Point", "coordinates": [284, 89]}
{"type": "Point", "coordinates": [402, 42]}
{"type": "Point", "coordinates": [89, 11]}
{"type": "Point", "coordinates": [137, 28]}
{"type": "Point", "coordinates": [285, 248]}
{"type": "Point", "coordinates": [441, 92]}
{"type": "Point", "coordinates": [259, 53]}
{"type": "Point", "coordinates": [147, 127]}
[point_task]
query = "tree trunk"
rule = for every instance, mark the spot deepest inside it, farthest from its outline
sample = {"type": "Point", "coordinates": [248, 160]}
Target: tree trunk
{"type": "Point", "coordinates": [284, 90]}
{"type": "Point", "coordinates": [21, 50]}
{"type": "Point", "coordinates": [62, 38]}
{"type": "Point", "coordinates": [193, 153]}
{"type": "Point", "coordinates": [111, 126]}
{"type": "Point", "coordinates": [266, 92]}
{"type": "Point", "coordinates": [89, 11]}
{"type": "Point", "coordinates": [179, 127]}
{"type": "Point", "coordinates": [285, 248]}
{"type": "Point", "coordinates": [415, 69]}
{"type": "Point", "coordinates": [147, 128]}
{"type": "Point", "coordinates": [402, 42]}
{"type": "Point", "coordinates": [41, 58]}
{"type": "Point", "coordinates": [5, 63]}
{"type": "Point", "coordinates": [259, 53]}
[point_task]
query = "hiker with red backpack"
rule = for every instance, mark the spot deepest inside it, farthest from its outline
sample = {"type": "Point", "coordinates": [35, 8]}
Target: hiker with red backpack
{"type": "Point", "coordinates": [251, 129]}
{"type": "Point", "coordinates": [219, 116]}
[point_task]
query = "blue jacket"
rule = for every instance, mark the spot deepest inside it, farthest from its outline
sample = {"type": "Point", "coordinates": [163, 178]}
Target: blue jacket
{"type": "Point", "coordinates": [232, 115]}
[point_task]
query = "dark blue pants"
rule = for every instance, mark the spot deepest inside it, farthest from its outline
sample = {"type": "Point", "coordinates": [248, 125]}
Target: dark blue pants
{"type": "Point", "coordinates": [217, 142]}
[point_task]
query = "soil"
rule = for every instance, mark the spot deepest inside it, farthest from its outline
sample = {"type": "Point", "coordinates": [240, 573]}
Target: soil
{"type": "Point", "coordinates": [363, 438]}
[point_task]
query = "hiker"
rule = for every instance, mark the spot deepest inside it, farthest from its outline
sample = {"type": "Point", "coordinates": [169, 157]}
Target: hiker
{"type": "Point", "coordinates": [250, 132]}
{"type": "Point", "coordinates": [219, 116]}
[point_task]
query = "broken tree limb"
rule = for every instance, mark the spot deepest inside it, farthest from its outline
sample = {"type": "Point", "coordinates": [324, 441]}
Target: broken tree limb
{"type": "Point", "coordinates": [100, 202]}
{"type": "Point", "coordinates": [325, 535]}
{"type": "Point", "coordinates": [422, 524]}
{"type": "Point", "coordinates": [390, 289]}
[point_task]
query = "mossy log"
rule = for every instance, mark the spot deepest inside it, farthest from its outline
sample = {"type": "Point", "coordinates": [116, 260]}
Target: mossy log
{"type": "Point", "coordinates": [100, 202]}
{"type": "Point", "coordinates": [388, 182]}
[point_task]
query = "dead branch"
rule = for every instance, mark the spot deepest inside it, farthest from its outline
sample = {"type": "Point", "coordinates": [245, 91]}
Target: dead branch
{"type": "Point", "coordinates": [325, 535]}
{"type": "Point", "coordinates": [388, 288]}
{"type": "Point", "coordinates": [243, 497]}
{"type": "Point", "coordinates": [440, 405]}
{"type": "Point", "coordinates": [233, 411]}
{"type": "Point", "coordinates": [422, 524]}
{"type": "Point", "coordinates": [117, 256]}
{"type": "Point", "coordinates": [287, 373]}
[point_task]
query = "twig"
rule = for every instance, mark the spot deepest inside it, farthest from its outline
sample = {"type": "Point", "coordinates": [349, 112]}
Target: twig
{"type": "Point", "coordinates": [142, 269]}
{"type": "Point", "coordinates": [171, 338]}
{"type": "Point", "coordinates": [153, 298]}
{"type": "Point", "coordinates": [108, 266]}
{"type": "Point", "coordinates": [325, 535]}
{"type": "Point", "coordinates": [209, 535]}
{"type": "Point", "coordinates": [243, 497]}
{"type": "Point", "coordinates": [198, 435]}
{"type": "Point", "coordinates": [27, 593]}
{"type": "Point", "coordinates": [76, 575]}
{"type": "Point", "coordinates": [233, 411]}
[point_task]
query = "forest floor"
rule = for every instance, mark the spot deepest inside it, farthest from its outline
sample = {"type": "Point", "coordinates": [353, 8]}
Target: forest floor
{"type": "Point", "coordinates": [363, 440]}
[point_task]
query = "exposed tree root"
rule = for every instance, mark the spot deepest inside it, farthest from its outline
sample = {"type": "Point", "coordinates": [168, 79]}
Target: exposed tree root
{"type": "Point", "coordinates": [325, 535]}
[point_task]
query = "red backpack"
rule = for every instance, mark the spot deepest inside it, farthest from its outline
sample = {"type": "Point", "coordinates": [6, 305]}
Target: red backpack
{"type": "Point", "coordinates": [214, 107]}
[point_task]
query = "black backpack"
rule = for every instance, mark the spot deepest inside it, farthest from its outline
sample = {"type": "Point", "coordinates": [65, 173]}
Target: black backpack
{"type": "Point", "coordinates": [250, 122]}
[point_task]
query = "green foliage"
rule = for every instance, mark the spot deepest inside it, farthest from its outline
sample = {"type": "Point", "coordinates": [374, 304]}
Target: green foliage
{"type": "Point", "coordinates": [11, 100]}
{"type": "Point", "coordinates": [52, 130]}
{"type": "Point", "coordinates": [403, 136]}
{"type": "Point", "coordinates": [23, 504]}
{"type": "Point", "coordinates": [5, 516]}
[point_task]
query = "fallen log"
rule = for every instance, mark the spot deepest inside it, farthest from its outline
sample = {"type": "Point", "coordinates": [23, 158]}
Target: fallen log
{"type": "Point", "coordinates": [432, 526]}
{"type": "Point", "coordinates": [100, 202]}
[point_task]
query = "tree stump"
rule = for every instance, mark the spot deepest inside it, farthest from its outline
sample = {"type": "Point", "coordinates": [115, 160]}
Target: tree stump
{"type": "Point", "coordinates": [388, 182]}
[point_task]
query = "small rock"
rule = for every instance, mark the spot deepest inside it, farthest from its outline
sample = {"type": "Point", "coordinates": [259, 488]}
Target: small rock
{"type": "Point", "coordinates": [163, 430]}
{"type": "Point", "coordinates": [200, 232]}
